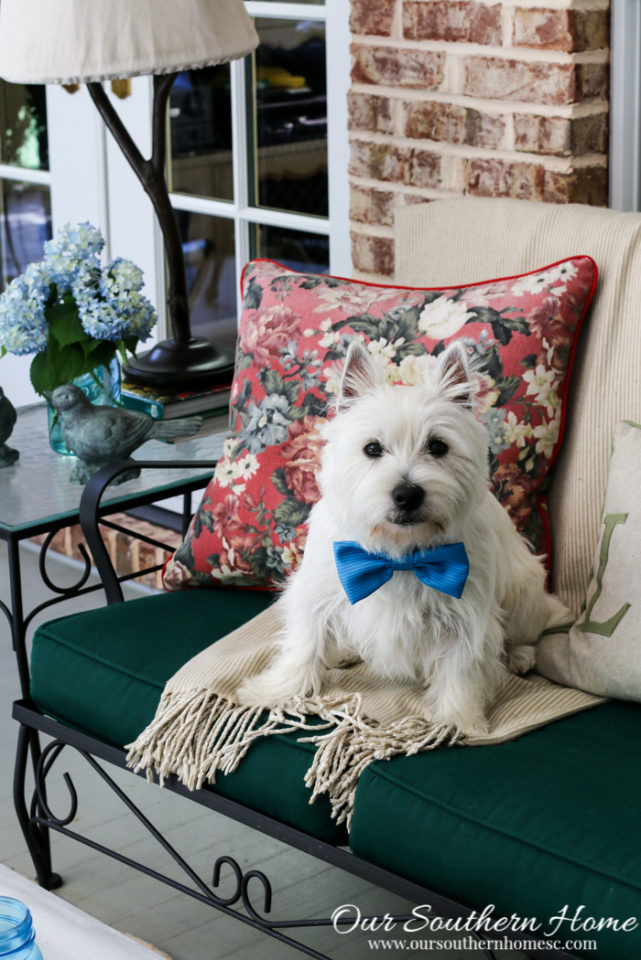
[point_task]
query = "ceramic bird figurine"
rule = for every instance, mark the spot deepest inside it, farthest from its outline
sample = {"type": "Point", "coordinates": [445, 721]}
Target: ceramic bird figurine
{"type": "Point", "coordinates": [99, 435]}
{"type": "Point", "coordinates": [8, 419]}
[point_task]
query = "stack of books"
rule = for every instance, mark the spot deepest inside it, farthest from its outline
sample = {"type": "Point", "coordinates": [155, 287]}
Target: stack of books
{"type": "Point", "coordinates": [210, 403]}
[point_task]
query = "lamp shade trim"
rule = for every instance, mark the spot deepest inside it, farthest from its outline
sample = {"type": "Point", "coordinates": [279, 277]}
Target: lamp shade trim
{"type": "Point", "coordinates": [134, 70]}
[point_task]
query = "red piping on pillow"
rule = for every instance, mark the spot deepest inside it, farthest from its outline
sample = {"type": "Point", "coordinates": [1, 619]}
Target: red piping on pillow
{"type": "Point", "coordinates": [402, 286]}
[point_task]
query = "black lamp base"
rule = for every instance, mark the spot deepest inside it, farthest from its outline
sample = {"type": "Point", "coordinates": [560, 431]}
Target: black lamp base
{"type": "Point", "coordinates": [177, 364]}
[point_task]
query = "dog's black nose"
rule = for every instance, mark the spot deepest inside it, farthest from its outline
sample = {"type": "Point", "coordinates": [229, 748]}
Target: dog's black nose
{"type": "Point", "coordinates": [408, 496]}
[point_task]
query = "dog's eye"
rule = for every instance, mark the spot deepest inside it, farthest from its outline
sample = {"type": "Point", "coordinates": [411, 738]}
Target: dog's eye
{"type": "Point", "coordinates": [373, 450]}
{"type": "Point", "coordinates": [437, 448]}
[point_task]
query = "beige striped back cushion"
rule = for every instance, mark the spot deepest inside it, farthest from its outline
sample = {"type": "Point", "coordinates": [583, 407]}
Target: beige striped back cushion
{"type": "Point", "coordinates": [467, 240]}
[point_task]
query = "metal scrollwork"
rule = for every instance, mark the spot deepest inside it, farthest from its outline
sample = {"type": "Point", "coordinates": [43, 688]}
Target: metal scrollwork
{"type": "Point", "coordinates": [238, 873]}
{"type": "Point", "coordinates": [46, 761]}
{"type": "Point", "coordinates": [42, 565]}
{"type": "Point", "coordinates": [267, 903]}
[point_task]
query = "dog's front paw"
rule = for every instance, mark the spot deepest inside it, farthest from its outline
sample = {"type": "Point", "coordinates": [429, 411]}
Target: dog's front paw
{"type": "Point", "coordinates": [521, 659]}
{"type": "Point", "coordinates": [470, 721]}
{"type": "Point", "coordinates": [273, 689]}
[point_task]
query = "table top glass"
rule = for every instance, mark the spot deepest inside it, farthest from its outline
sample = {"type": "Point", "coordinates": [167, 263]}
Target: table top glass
{"type": "Point", "coordinates": [37, 490]}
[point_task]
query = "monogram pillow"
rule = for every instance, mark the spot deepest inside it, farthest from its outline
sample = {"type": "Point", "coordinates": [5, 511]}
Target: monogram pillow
{"type": "Point", "coordinates": [294, 332]}
{"type": "Point", "coordinates": [602, 653]}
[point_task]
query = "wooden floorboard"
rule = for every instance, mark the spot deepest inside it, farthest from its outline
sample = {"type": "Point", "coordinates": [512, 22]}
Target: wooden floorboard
{"type": "Point", "coordinates": [138, 905]}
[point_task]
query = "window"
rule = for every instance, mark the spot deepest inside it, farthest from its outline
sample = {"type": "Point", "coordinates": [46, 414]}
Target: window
{"type": "Point", "coordinates": [25, 203]}
{"type": "Point", "coordinates": [25, 198]}
{"type": "Point", "coordinates": [248, 168]}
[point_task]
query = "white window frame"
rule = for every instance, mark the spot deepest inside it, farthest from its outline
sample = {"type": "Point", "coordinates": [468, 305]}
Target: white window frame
{"type": "Point", "coordinates": [625, 105]}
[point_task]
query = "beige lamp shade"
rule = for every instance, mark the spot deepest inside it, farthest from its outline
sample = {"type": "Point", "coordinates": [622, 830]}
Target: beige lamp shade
{"type": "Point", "coordinates": [75, 41]}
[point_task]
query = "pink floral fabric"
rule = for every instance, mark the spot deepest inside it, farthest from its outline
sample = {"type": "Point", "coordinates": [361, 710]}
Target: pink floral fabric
{"type": "Point", "coordinates": [295, 329]}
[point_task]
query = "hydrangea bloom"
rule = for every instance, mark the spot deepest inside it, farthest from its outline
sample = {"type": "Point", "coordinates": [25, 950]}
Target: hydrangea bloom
{"type": "Point", "coordinates": [23, 324]}
{"type": "Point", "coordinates": [108, 300]}
{"type": "Point", "coordinates": [69, 251]}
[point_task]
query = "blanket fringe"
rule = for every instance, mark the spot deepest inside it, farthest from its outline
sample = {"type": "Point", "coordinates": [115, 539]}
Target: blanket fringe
{"type": "Point", "coordinates": [197, 734]}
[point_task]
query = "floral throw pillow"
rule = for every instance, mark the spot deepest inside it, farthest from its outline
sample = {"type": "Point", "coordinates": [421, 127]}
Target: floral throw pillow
{"type": "Point", "coordinates": [294, 332]}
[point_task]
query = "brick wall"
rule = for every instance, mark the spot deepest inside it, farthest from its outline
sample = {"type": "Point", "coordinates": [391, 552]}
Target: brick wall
{"type": "Point", "coordinates": [454, 97]}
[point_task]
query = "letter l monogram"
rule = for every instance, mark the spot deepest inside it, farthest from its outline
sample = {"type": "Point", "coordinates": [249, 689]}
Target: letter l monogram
{"type": "Point", "coordinates": [607, 627]}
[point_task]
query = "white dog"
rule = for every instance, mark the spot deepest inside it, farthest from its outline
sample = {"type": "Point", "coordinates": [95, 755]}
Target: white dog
{"type": "Point", "coordinates": [404, 469]}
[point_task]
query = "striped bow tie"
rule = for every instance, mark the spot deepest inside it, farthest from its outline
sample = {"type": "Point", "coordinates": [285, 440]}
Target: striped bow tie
{"type": "Point", "coordinates": [361, 573]}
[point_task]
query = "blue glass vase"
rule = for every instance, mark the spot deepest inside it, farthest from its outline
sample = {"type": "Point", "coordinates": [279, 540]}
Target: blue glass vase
{"type": "Point", "coordinates": [17, 936]}
{"type": "Point", "coordinates": [102, 387]}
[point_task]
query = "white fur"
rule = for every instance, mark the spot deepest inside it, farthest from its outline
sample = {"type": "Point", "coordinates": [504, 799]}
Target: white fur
{"type": "Point", "coordinates": [459, 649]}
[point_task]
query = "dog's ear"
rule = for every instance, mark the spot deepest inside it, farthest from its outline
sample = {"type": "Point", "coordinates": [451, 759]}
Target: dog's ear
{"type": "Point", "coordinates": [359, 375]}
{"type": "Point", "coordinates": [454, 374]}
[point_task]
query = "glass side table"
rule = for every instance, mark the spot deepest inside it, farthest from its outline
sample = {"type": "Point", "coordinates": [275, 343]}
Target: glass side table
{"type": "Point", "coordinates": [36, 496]}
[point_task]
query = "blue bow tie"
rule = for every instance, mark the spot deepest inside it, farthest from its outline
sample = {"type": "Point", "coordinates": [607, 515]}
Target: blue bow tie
{"type": "Point", "coordinates": [361, 573]}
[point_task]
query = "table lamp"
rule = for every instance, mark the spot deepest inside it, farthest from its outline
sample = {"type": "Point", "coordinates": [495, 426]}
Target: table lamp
{"type": "Point", "coordinates": [73, 41]}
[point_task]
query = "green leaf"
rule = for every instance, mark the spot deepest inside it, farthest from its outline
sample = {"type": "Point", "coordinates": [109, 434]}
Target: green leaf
{"type": "Point", "coordinates": [204, 521]}
{"type": "Point", "coordinates": [258, 561]}
{"type": "Point", "coordinates": [291, 389]}
{"type": "Point", "coordinates": [65, 325]}
{"type": "Point", "coordinates": [102, 353]}
{"type": "Point", "coordinates": [310, 283]}
{"type": "Point", "coordinates": [502, 333]}
{"type": "Point", "coordinates": [53, 367]}
{"type": "Point", "coordinates": [529, 362]}
{"type": "Point", "coordinates": [272, 381]}
{"type": "Point", "coordinates": [280, 481]}
{"type": "Point", "coordinates": [243, 360]}
{"type": "Point", "coordinates": [314, 406]}
{"type": "Point", "coordinates": [254, 295]}
{"type": "Point", "coordinates": [504, 327]}
{"type": "Point", "coordinates": [185, 553]}
{"type": "Point", "coordinates": [372, 327]}
{"type": "Point", "coordinates": [485, 315]}
{"type": "Point", "coordinates": [292, 512]}
{"type": "Point", "coordinates": [492, 363]}
{"type": "Point", "coordinates": [507, 387]}
{"type": "Point", "coordinates": [410, 349]}
{"type": "Point", "coordinates": [407, 324]}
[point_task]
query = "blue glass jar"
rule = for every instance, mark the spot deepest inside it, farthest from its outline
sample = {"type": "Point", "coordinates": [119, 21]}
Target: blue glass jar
{"type": "Point", "coordinates": [17, 936]}
{"type": "Point", "coordinates": [102, 387]}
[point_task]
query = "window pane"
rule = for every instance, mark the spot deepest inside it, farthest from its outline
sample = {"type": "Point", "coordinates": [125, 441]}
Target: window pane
{"type": "Point", "coordinates": [200, 124]}
{"type": "Point", "coordinates": [25, 224]}
{"type": "Point", "coordinates": [23, 126]}
{"type": "Point", "coordinates": [290, 102]}
{"type": "Point", "coordinates": [307, 252]}
{"type": "Point", "coordinates": [208, 245]}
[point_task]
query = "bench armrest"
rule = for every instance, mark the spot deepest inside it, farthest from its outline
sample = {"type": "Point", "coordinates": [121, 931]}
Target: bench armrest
{"type": "Point", "coordinates": [91, 509]}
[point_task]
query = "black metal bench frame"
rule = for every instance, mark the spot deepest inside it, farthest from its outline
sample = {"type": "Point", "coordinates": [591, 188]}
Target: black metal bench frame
{"type": "Point", "coordinates": [37, 820]}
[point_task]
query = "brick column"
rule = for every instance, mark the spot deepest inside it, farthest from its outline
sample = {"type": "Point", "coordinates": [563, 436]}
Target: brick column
{"type": "Point", "coordinates": [454, 97]}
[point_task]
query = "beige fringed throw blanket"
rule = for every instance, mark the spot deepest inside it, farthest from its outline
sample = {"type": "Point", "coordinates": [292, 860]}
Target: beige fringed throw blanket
{"type": "Point", "coordinates": [199, 729]}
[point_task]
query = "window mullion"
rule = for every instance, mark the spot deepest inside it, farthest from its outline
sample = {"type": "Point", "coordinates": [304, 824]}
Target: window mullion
{"type": "Point", "coordinates": [241, 165]}
{"type": "Point", "coordinates": [286, 11]}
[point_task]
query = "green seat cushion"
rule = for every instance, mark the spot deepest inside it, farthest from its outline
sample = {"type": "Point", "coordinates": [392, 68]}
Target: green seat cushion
{"type": "Point", "coordinates": [103, 673]}
{"type": "Point", "coordinates": [532, 825]}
